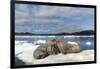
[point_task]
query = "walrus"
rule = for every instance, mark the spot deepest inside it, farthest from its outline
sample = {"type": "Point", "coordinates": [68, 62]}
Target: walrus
{"type": "Point", "coordinates": [46, 49]}
{"type": "Point", "coordinates": [40, 52]}
{"type": "Point", "coordinates": [53, 47]}
{"type": "Point", "coordinates": [72, 48]}
{"type": "Point", "coordinates": [62, 46]}
{"type": "Point", "coordinates": [67, 47]}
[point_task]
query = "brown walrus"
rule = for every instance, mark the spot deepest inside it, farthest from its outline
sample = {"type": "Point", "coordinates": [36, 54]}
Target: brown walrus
{"type": "Point", "coordinates": [40, 52]}
{"type": "Point", "coordinates": [53, 47]}
{"type": "Point", "coordinates": [72, 48]}
{"type": "Point", "coordinates": [62, 46]}
{"type": "Point", "coordinates": [46, 49]}
{"type": "Point", "coordinates": [67, 48]}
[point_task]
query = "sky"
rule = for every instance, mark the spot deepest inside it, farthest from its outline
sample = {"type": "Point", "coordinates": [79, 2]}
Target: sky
{"type": "Point", "coordinates": [45, 19]}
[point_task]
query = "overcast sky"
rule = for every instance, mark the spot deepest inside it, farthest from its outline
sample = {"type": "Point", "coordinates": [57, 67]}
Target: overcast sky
{"type": "Point", "coordinates": [44, 19]}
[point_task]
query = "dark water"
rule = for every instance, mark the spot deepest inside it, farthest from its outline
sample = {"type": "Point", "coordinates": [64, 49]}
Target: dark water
{"type": "Point", "coordinates": [84, 42]}
{"type": "Point", "coordinates": [18, 61]}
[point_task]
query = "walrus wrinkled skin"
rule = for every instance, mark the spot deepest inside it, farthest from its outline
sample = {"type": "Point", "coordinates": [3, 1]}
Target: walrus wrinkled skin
{"type": "Point", "coordinates": [67, 48]}
{"type": "Point", "coordinates": [53, 47]}
{"type": "Point", "coordinates": [62, 46]}
{"type": "Point", "coordinates": [72, 48]}
{"type": "Point", "coordinates": [50, 48]}
{"type": "Point", "coordinates": [40, 52]}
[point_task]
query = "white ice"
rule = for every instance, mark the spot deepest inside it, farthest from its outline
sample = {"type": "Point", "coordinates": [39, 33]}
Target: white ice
{"type": "Point", "coordinates": [88, 43]}
{"type": "Point", "coordinates": [33, 36]}
{"type": "Point", "coordinates": [76, 36]}
{"type": "Point", "coordinates": [71, 42]}
{"type": "Point", "coordinates": [40, 42]}
{"type": "Point", "coordinates": [24, 51]}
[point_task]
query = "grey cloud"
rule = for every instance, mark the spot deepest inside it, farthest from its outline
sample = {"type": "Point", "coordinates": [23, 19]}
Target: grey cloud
{"type": "Point", "coordinates": [50, 19]}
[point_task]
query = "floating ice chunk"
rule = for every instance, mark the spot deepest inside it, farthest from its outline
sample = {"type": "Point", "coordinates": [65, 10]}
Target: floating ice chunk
{"type": "Point", "coordinates": [71, 42]}
{"type": "Point", "coordinates": [40, 42]}
{"type": "Point", "coordinates": [88, 43]}
{"type": "Point", "coordinates": [20, 42]}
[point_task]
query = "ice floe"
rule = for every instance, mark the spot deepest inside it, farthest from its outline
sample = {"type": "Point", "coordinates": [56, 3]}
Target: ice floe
{"type": "Point", "coordinates": [24, 52]}
{"type": "Point", "coordinates": [40, 42]}
{"type": "Point", "coordinates": [27, 57]}
{"type": "Point", "coordinates": [71, 42]}
{"type": "Point", "coordinates": [88, 43]}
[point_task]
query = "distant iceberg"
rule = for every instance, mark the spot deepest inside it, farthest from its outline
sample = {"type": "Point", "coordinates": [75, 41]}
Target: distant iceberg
{"type": "Point", "coordinates": [34, 36]}
{"type": "Point", "coordinates": [69, 36]}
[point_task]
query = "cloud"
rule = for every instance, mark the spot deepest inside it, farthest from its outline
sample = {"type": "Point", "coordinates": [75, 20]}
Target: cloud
{"type": "Point", "coordinates": [48, 19]}
{"type": "Point", "coordinates": [41, 10]}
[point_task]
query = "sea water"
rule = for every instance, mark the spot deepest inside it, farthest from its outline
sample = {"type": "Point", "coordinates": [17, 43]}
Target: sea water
{"type": "Point", "coordinates": [85, 42]}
